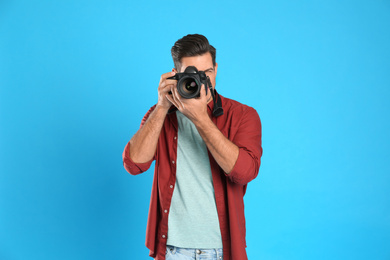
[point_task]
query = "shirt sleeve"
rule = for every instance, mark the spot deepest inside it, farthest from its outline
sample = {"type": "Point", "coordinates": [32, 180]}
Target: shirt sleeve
{"type": "Point", "coordinates": [248, 140]}
{"type": "Point", "coordinates": [130, 166]}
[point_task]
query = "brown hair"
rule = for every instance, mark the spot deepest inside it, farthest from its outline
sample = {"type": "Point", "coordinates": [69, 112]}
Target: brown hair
{"type": "Point", "coordinates": [189, 46]}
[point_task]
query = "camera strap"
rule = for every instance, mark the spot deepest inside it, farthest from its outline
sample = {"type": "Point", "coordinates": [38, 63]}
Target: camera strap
{"type": "Point", "coordinates": [217, 110]}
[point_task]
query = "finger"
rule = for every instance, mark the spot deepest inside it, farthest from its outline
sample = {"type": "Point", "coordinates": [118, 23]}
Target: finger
{"type": "Point", "coordinates": [205, 94]}
{"type": "Point", "coordinates": [176, 97]}
{"type": "Point", "coordinates": [167, 75]}
{"type": "Point", "coordinates": [168, 83]}
{"type": "Point", "coordinates": [165, 87]}
{"type": "Point", "coordinates": [202, 91]}
{"type": "Point", "coordinates": [170, 99]}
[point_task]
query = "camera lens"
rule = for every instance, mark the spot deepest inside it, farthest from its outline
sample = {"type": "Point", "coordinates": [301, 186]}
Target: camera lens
{"type": "Point", "coordinates": [188, 87]}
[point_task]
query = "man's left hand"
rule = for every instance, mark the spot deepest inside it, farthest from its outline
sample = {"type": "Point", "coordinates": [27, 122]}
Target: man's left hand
{"type": "Point", "coordinates": [194, 108]}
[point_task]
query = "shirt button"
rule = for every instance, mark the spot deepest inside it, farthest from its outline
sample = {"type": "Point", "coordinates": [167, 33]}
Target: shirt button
{"type": "Point", "coordinates": [174, 138]}
{"type": "Point", "coordinates": [171, 186]}
{"type": "Point", "coordinates": [163, 236]}
{"type": "Point", "coordinates": [198, 251]}
{"type": "Point", "coordinates": [173, 162]}
{"type": "Point", "coordinates": [165, 211]}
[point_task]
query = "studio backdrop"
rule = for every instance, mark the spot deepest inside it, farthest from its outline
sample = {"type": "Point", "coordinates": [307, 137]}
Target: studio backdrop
{"type": "Point", "coordinates": [76, 78]}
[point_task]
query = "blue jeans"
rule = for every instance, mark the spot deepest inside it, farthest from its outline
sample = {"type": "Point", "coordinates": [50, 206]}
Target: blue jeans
{"type": "Point", "coordinates": [177, 253]}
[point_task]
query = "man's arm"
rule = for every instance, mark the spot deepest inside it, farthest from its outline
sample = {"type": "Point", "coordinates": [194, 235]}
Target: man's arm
{"type": "Point", "coordinates": [223, 150]}
{"type": "Point", "coordinates": [144, 143]}
{"type": "Point", "coordinates": [239, 158]}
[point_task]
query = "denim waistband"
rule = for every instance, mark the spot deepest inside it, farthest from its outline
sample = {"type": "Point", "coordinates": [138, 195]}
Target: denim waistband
{"type": "Point", "coordinates": [215, 253]}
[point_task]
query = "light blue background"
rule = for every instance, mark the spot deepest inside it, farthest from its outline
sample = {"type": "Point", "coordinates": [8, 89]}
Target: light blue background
{"type": "Point", "coordinates": [76, 77]}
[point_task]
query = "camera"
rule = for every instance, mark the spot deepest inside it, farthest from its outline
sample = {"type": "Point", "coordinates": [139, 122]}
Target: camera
{"type": "Point", "coordinates": [190, 81]}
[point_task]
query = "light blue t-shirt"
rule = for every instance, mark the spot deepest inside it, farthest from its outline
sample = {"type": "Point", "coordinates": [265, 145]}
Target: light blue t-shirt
{"type": "Point", "coordinates": [193, 219]}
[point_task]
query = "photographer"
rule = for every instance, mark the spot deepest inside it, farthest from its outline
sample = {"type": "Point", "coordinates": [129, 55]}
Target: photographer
{"type": "Point", "coordinates": [207, 148]}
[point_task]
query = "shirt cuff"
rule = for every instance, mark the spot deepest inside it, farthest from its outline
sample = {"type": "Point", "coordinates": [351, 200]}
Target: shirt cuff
{"type": "Point", "coordinates": [132, 167]}
{"type": "Point", "coordinates": [245, 169]}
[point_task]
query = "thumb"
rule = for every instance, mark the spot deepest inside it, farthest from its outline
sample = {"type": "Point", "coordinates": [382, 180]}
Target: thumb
{"type": "Point", "coordinates": [203, 91]}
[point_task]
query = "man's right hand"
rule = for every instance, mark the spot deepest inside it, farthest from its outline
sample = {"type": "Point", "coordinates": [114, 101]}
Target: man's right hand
{"type": "Point", "coordinates": [163, 89]}
{"type": "Point", "coordinates": [144, 143]}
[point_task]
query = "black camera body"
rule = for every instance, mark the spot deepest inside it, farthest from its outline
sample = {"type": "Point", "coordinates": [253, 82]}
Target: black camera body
{"type": "Point", "coordinates": [190, 81]}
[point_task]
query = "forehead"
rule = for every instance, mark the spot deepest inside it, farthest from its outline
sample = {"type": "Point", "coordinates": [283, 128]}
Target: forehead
{"type": "Point", "coordinates": [201, 62]}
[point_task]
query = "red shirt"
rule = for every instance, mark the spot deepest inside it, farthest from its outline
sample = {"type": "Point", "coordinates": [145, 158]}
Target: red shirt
{"type": "Point", "coordinates": [241, 125]}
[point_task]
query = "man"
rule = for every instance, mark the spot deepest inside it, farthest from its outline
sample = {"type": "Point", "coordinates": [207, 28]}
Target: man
{"type": "Point", "coordinates": [204, 160]}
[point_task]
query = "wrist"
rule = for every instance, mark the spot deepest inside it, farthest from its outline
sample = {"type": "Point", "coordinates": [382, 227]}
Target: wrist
{"type": "Point", "coordinates": [162, 108]}
{"type": "Point", "coordinates": [202, 121]}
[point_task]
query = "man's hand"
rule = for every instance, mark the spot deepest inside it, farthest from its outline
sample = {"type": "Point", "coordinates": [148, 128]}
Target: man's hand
{"type": "Point", "coordinates": [194, 108]}
{"type": "Point", "coordinates": [224, 151]}
{"type": "Point", "coordinates": [144, 143]}
{"type": "Point", "coordinates": [164, 87]}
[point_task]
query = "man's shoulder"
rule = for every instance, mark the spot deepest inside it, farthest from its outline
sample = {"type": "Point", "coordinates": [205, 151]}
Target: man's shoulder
{"type": "Point", "coordinates": [231, 105]}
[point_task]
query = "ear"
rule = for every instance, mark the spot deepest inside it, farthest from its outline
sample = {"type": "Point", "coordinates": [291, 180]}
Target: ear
{"type": "Point", "coordinates": [216, 68]}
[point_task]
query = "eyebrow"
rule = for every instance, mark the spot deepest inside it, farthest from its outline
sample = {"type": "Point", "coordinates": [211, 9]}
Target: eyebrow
{"type": "Point", "coordinates": [209, 69]}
